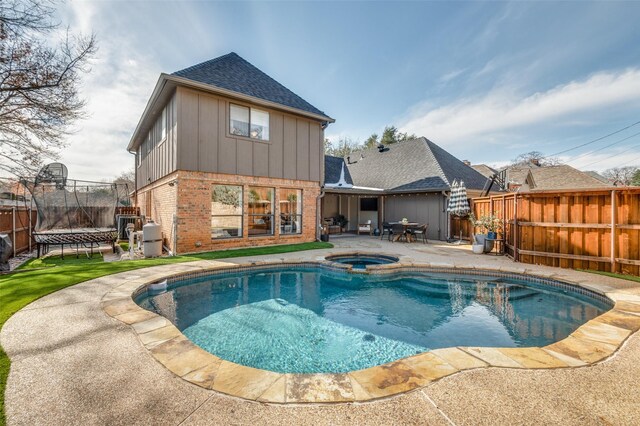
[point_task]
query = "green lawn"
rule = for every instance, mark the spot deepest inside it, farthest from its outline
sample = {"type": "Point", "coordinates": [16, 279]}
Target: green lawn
{"type": "Point", "coordinates": [614, 275]}
{"type": "Point", "coordinates": [40, 277]}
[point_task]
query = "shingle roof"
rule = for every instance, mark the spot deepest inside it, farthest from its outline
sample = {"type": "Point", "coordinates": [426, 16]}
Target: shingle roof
{"type": "Point", "coordinates": [598, 176]}
{"type": "Point", "coordinates": [484, 170]}
{"type": "Point", "coordinates": [231, 72]}
{"type": "Point", "coordinates": [518, 174]}
{"type": "Point", "coordinates": [414, 165]}
{"type": "Point", "coordinates": [563, 177]}
{"type": "Point", "coordinates": [333, 168]}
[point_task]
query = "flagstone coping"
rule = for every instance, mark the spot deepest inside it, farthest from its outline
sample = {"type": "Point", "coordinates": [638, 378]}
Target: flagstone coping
{"type": "Point", "coordinates": [592, 342]}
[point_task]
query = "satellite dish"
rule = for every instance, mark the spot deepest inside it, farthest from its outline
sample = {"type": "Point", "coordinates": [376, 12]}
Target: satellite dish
{"type": "Point", "coordinates": [53, 173]}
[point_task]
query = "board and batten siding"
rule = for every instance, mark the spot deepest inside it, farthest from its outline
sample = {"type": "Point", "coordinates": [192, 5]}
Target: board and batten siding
{"type": "Point", "coordinates": [429, 208]}
{"type": "Point", "coordinates": [294, 149]}
{"type": "Point", "coordinates": [158, 157]}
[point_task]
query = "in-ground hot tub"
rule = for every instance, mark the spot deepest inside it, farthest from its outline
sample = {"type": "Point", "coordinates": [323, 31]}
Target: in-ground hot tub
{"type": "Point", "coordinates": [362, 260]}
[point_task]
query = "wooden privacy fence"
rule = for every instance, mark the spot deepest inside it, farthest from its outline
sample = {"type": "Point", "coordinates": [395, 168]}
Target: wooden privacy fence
{"type": "Point", "coordinates": [17, 223]}
{"type": "Point", "coordinates": [583, 229]}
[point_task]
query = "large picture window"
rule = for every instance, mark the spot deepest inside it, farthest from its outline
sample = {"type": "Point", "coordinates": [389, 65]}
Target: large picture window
{"type": "Point", "coordinates": [260, 211]}
{"type": "Point", "coordinates": [249, 122]}
{"type": "Point", "coordinates": [290, 211]}
{"type": "Point", "coordinates": [226, 211]}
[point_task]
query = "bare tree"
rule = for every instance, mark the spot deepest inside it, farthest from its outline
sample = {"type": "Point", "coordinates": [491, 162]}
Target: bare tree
{"type": "Point", "coordinates": [622, 176]}
{"type": "Point", "coordinates": [535, 157]}
{"type": "Point", "coordinates": [39, 84]}
{"type": "Point", "coordinates": [127, 177]}
{"type": "Point", "coordinates": [342, 148]}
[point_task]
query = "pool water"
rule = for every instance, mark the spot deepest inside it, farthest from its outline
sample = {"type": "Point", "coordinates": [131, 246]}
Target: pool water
{"type": "Point", "coordinates": [314, 320]}
{"type": "Point", "coordinates": [361, 261]}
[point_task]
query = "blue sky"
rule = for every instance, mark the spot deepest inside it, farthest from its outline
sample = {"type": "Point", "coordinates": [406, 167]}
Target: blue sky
{"type": "Point", "coordinates": [485, 80]}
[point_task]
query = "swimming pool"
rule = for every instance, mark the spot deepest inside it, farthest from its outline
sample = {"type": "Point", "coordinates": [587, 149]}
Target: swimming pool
{"type": "Point", "coordinates": [312, 319]}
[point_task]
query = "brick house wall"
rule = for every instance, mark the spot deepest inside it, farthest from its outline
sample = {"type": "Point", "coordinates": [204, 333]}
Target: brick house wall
{"type": "Point", "coordinates": [190, 199]}
{"type": "Point", "coordinates": [157, 202]}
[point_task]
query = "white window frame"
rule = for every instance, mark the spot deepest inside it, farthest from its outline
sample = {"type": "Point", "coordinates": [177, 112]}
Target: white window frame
{"type": "Point", "coordinates": [250, 122]}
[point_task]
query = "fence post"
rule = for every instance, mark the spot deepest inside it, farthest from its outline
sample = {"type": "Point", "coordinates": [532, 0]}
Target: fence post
{"type": "Point", "coordinates": [13, 229]}
{"type": "Point", "coordinates": [30, 230]}
{"type": "Point", "coordinates": [515, 227]}
{"type": "Point", "coordinates": [504, 222]}
{"type": "Point", "coordinates": [613, 230]}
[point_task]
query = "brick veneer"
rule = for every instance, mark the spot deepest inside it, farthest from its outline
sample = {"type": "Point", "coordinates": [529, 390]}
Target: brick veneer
{"type": "Point", "coordinates": [162, 206]}
{"type": "Point", "coordinates": [190, 200]}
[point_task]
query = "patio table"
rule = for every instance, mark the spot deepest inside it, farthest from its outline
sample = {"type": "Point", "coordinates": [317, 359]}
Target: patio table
{"type": "Point", "coordinates": [405, 225]}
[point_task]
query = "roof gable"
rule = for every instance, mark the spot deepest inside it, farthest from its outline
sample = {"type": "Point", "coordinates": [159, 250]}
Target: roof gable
{"type": "Point", "coordinates": [484, 170]}
{"type": "Point", "coordinates": [333, 168]}
{"type": "Point", "coordinates": [231, 72]}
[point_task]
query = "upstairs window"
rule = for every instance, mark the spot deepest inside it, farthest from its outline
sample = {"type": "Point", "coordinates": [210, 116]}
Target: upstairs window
{"type": "Point", "coordinates": [249, 122]}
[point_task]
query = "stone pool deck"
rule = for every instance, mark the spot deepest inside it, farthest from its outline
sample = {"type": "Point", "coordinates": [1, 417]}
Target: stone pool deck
{"type": "Point", "coordinates": [72, 363]}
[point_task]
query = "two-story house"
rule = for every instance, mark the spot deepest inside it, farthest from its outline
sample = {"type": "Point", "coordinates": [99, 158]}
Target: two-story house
{"type": "Point", "coordinates": [228, 157]}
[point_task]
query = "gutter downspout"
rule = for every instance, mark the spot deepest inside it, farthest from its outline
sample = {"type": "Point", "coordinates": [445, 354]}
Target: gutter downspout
{"type": "Point", "coordinates": [135, 178]}
{"type": "Point", "coordinates": [318, 219]}
{"type": "Point", "coordinates": [445, 210]}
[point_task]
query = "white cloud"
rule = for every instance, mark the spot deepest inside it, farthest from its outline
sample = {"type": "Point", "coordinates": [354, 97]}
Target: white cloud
{"type": "Point", "coordinates": [504, 109]}
{"type": "Point", "coordinates": [451, 75]}
{"type": "Point", "coordinates": [116, 91]}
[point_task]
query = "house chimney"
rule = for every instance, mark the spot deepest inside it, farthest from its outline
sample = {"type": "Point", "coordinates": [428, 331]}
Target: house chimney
{"type": "Point", "coordinates": [466, 162]}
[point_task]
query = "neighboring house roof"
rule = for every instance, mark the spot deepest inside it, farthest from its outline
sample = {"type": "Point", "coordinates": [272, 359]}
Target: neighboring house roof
{"type": "Point", "coordinates": [598, 176]}
{"type": "Point", "coordinates": [233, 73]}
{"type": "Point", "coordinates": [551, 177]}
{"type": "Point", "coordinates": [414, 165]}
{"type": "Point", "coordinates": [517, 175]}
{"type": "Point", "coordinates": [333, 167]}
{"type": "Point", "coordinates": [562, 177]}
{"type": "Point", "coordinates": [484, 170]}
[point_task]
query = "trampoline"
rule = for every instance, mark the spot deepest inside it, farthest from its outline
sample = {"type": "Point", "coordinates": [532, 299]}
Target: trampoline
{"type": "Point", "coordinates": [74, 212]}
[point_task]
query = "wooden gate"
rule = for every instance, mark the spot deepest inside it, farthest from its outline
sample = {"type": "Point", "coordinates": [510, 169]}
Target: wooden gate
{"type": "Point", "coordinates": [17, 223]}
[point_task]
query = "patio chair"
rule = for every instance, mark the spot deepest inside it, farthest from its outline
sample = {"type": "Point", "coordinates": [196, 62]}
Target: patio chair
{"type": "Point", "coordinates": [386, 227]}
{"type": "Point", "coordinates": [421, 232]}
{"type": "Point", "coordinates": [398, 231]}
{"type": "Point", "coordinates": [365, 227]}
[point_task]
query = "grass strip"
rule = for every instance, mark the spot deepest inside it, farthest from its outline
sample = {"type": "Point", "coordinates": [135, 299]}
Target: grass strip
{"type": "Point", "coordinates": [613, 275]}
{"type": "Point", "coordinates": [40, 277]}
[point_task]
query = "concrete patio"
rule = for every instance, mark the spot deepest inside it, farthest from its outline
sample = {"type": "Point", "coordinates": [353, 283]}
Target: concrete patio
{"type": "Point", "coordinates": [73, 364]}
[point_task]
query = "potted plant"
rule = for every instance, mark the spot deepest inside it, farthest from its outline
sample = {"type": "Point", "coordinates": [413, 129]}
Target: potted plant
{"type": "Point", "coordinates": [489, 226]}
{"type": "Point", "coordinates": [342, 221]}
